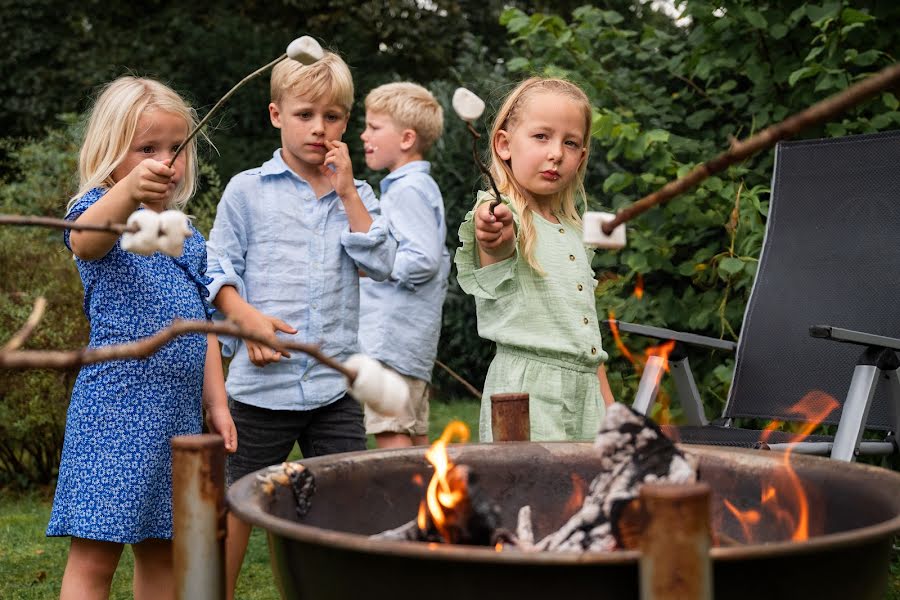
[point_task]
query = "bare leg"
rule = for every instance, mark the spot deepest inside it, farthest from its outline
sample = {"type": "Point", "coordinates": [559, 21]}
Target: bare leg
{"type": "Point", "coordinates": [89, 569]}
{"type": "Point", "coordinates": [154, 576]}
{"type": "Point", "coordinates": [235, 548]}
{"type": "Point", "coordinates": [420, 440]}
{"type": "Point", "coordinates": [389, 439]}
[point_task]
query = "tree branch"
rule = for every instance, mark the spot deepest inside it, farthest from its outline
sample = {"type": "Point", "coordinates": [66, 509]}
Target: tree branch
{"type": "Point", "coordinates": [37, 313]}
{"type": "Point", "coordinates": [144, 347]}
{"type": "Point", "coordinates": [768, 137]}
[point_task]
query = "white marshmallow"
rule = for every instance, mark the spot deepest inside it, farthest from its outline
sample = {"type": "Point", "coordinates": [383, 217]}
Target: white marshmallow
{"type": "Point", "coordinates": [174, 230]}
{"type": "Point", "coordinates": [467, 104]}
{"type": "Point", "coordinates": [381, 389]}
{"type": "Point", "coordinates": [305, 50]}
{"type": "Point", "coordinates": [593, 231]}
{"type": "Point", "coordinates": [144, 240]}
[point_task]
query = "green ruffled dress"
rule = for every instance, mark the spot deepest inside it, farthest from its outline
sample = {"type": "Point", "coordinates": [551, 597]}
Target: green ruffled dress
{"type": "Point", "coordinates": [545, 327]}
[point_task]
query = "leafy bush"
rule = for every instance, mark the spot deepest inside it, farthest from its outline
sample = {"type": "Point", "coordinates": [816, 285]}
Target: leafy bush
{"type": "Point", "coordinates": [667, 98]}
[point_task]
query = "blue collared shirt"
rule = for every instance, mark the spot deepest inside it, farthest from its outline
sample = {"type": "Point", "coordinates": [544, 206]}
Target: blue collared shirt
{"type": "Point", "coordinates": [400, 319]}
{"type": "Point", "coordinates": [291, 255]}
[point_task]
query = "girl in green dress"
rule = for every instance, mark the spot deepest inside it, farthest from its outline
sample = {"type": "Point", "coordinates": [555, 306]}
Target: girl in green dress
{"type": "Point", "coordinates": [528, 269]}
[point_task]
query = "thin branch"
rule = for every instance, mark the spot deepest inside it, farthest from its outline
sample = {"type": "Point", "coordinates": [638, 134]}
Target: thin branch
{"type": "Point", "coordinates": [37, 313]}
{"type": "Point", "coordinates": [144, 347]}
{"type": "Point", "coordinates": [768, 137]}
{"type": "Point", "coordinates": [472, 389]}
{"type": "Point", "coordinates": [221, 101]}
{"type": "Point", "coordinates": [64, 224]}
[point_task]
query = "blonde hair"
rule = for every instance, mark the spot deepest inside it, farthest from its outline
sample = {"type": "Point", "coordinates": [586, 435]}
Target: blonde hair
{"type": "Point", "coordinates": [564, 204]}
{"type": "Point", "coordinates": [329, 77]}
{"type": "Point", "coordinates": [111, 126]}
{"type": "Point", "coordinates": [410, 106]}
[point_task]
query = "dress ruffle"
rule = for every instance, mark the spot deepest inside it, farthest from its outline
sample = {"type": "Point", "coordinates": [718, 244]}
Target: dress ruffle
{"type": "Point", "coordinates": [492, 281]}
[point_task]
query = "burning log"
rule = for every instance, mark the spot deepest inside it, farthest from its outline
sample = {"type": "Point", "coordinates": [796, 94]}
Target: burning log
{"type": "Point", "coordinates": [293, 475]}
{"type": "Point", "coordinates": [632, 451]}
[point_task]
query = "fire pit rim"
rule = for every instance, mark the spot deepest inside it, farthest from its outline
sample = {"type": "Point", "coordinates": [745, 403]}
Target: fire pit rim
{"type": "Point", "coordinates": [252, 512]}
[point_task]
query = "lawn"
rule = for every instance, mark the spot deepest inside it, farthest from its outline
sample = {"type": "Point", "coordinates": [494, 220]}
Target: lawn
{"type": "Point", "coordinates": [31, 565]}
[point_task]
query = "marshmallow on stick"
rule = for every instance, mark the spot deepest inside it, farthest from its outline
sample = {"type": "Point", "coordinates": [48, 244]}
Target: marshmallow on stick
{"type": "Point", "coordinates": [173, 231]}
{"type": "Point", "coordinates": [467, 105]}
{"type": "Point", "coordinates": [593, 231]}
{"type": "Point", "coordinates": [305, 50]}
{"type": "Point", "coordinates": [144, 240]}
{"type": "Point", "coordinates": [377, 387]}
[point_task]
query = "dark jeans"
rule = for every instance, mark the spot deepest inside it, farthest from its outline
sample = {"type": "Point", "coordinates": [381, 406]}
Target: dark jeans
{"type": "Point", "coordinates": [266, 437]}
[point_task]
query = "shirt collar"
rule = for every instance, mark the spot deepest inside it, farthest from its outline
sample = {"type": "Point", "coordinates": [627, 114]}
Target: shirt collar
{"type": "Point", "coordinates": [416, 166]}
{"type": "Point", "coordinates": [275, 165]}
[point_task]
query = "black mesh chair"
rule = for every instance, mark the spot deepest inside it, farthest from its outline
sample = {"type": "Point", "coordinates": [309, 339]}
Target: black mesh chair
{"type": "Point", "coordinates": [823, 315]}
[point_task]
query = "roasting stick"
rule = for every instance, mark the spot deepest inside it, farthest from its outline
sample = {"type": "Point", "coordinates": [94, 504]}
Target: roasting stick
{"type": "Point", "coordinates": [814, 115]}
{"type": "Point", "coordinates": [304, 50]}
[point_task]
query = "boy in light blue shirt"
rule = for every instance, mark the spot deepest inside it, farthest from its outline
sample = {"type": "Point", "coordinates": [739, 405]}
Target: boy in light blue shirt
{"type": "Point", "coordinates": [284, 254]}
{"type": "Point", "coordinates": [400, 318]}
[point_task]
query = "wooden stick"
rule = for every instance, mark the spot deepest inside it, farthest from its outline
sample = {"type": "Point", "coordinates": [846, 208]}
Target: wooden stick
{"type": "Point", "coordinates": [64, 224]}
{"type": "Point", "coordinates": [37, 313]}
{"type": "Point", "coordinates": [142, 348]}
{"type": "Point", "coordinates": [768, 137]}
{"type": "Point", "coordinates": [471, 388]}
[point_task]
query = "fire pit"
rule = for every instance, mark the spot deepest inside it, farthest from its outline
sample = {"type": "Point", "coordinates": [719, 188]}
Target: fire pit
{"type": "Point", "coordinates": [853, 515]}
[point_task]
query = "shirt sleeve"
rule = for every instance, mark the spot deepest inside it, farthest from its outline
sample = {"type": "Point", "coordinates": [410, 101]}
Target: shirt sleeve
{"type": "Point", "coordinates": [226, 252]}
{"type": "Point", "coordinates": [78, 208]}
{"type": "Point", "coordinates": [373, 251]}
{"type": "Point", "coordinates": [493, 281]}
{"type": "Point", "coordinates": [420, 245]}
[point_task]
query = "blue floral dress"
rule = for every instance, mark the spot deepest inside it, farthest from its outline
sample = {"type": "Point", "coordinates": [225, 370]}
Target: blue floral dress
{"type": "Point", "coordinates": [115, 478]}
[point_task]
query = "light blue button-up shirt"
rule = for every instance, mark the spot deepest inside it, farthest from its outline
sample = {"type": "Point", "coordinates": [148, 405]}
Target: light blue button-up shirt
{"type": "Point", "coordinates": [400, 319]}
{"type": "Point", "coordinates": [291, 255]}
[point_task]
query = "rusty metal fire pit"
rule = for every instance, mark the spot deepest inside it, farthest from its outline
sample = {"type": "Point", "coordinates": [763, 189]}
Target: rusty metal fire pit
{"type": "Point", "coordinates": [853, 511]}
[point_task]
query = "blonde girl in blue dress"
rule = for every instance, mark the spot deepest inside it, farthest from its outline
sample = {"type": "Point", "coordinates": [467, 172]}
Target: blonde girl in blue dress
{"type": "Point", "coordinates": [528, 269]}
{"type": "Point", "coordinates": [115, 477]}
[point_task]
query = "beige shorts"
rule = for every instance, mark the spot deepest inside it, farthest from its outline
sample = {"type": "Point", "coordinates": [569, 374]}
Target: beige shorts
{"type": "Point", "coordinates": [413, 422]}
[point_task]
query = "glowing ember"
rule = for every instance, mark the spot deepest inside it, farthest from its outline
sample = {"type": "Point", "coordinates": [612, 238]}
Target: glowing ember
{"type": "Point", "coordinates": [576, 500]}
{"type": "Point", "coordinates": [444, 491]}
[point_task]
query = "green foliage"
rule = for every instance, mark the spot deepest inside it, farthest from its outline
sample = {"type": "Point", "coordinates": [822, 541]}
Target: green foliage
{"type": "Point", "coordinates": [36, 263]}
{"type": "Point", "coordinates": [667, 98]}
{"type": "Point", "coordinates": [40, 179]}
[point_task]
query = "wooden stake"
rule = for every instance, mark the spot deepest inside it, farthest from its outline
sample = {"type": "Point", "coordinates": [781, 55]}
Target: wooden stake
{"type": "Point", "coordinates": [675, 563]}
{"type": "Point", "coordinates": [510, 419]}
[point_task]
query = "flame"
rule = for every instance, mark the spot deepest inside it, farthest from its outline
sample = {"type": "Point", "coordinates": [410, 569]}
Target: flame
{"type": "Point", "coordinates": [441, 495]}
{"type": "Point", "coordinates": [662, 351]}
{"type": "Point", "coordinates": [498, 547]}
{"type": "Point", "coordinates": [576, 500]}
{"type": "Point", "coordinates": [639, 286]}
{"type": "Point", "coordinates": [784, 501]}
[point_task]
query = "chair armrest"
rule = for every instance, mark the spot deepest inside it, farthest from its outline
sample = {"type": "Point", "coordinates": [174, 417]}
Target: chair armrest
{"type": "Point", "coordinates": [849, 336]}
{"type": "Point", "coordinates": [692, 339]}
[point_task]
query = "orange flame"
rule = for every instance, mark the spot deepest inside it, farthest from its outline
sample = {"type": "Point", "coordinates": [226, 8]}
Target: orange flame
{"type": "Point", "coordinates": [639, 286]}
{"type": "Point", "coordinates": [576, 500]}
{"type": "Point", "coordinates": [784, 500]}
{"type": "Point", "coordinates": [441, 495]}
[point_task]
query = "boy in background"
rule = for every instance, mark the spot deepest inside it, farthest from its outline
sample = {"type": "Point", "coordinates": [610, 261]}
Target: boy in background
{"type": "Point", "coordinates": [400, 318]}
{"type": "Point", "coordinates": [288, 241]}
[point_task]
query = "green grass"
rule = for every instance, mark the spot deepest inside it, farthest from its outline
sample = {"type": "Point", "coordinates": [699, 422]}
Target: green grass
{"type": "Point", "coordinates": [31, 565]}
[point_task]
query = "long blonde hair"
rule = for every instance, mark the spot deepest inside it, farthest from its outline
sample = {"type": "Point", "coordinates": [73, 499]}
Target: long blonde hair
{"type": "Point", "coordinates": [564, 204]}
{"type": "Point", "coordinates": [111, 126]}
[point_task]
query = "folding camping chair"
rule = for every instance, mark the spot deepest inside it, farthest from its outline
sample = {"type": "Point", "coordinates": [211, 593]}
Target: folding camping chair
{"type": "Point", "coordinates": [829, 272]}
